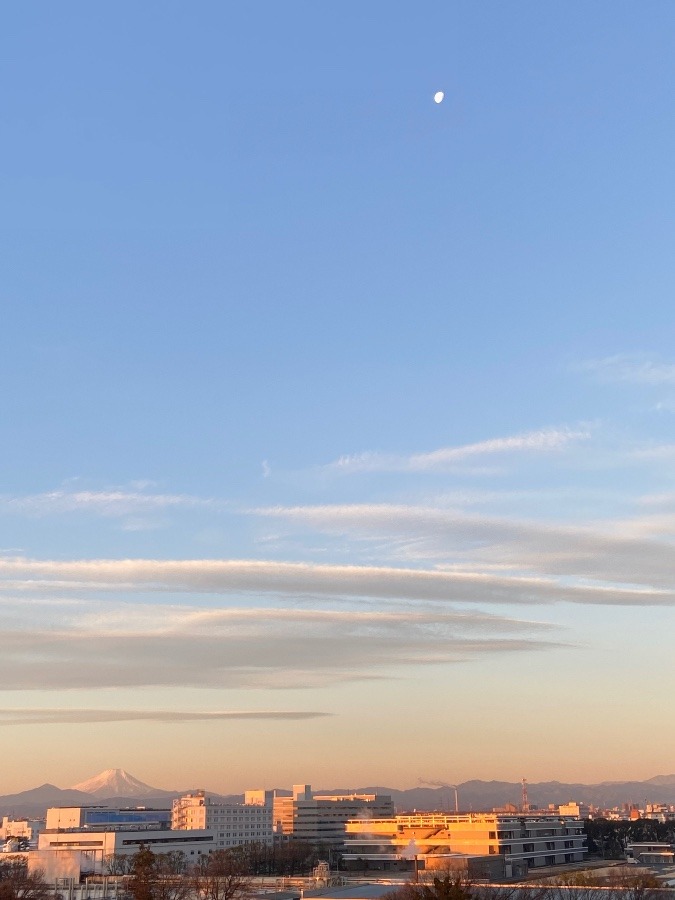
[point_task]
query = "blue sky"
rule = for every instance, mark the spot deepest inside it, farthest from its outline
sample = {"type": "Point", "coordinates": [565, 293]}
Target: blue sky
{"type": "Point", "coordinates": [332, 406]}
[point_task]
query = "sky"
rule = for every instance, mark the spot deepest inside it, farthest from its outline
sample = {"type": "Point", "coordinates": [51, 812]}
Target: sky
{"type": "Point", "coordinates": [337, 425]}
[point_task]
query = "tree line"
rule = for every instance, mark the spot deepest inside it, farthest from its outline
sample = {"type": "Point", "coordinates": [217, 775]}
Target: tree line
{"type": "Point", "coordinates": [609, 837]}
{"type": "Point", "coordinates": [222, 875]}
{"type": "Point", "coordinates": [624, 884]}
{"type": "Point", "coordinates": [255, 859]}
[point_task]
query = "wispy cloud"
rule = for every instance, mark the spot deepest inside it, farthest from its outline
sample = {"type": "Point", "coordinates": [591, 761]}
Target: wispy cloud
{"type": "Point", "coordinates": [268, 648]}
{"type": "Point", "coordinates": [542, 441]}
{"type": "Point", "coordinates": [658, 452]}
{"type": "Point", "coordinates": [632, 368]}
{"type": "Point", "coordinates": [543, 548]}
{"type": "Point", "coordinates": [61, 716]}
{"type": "Point", "coordinates": [563, 557]}
{"type": "Point", "coordinates": [115, 503]}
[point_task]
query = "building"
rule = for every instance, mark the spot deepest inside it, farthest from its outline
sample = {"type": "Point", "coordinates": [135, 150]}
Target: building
{"type": "Point", "coordinates": [101, 843]}
{"type": "Point", "coordinates": [22, 829]}
{"type": "Point", "coordinates": [574, 809]}
{"type": "Point", "coordinates": [524, 841]}
{"type": "Point", "coordinates": [321, 818]}
{"type": "Point", "coordinates": [651, 853]}
{"type": "Point", "coordinates": [67, 818]}
{"type": "Point", "coordinates": [82, 840]}
{"type": "Point", "coordinates": [233, 824]}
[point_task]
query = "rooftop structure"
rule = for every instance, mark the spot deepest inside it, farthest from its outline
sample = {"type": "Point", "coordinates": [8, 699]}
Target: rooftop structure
{"type": "Point", "coordinates": [67, 818]}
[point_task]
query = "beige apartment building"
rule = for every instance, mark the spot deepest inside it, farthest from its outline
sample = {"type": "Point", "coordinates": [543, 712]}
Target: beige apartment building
{"type": "Point", "coordinates": [524, 841]}
{"type": "Point", "coordinates": [25, 829]}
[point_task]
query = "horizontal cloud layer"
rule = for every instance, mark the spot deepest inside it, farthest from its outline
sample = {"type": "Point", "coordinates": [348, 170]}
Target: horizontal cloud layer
{"type": "Point", "coordinates": [105, 503]}
{"type": "Point", "coordinates": [618, 554]}
{"type": "Point", "coordinates": [304, 579]}
{"type": "Point", "coordinates": [103, 645]}
{"type": "Point", "coordinates": [61, 716]}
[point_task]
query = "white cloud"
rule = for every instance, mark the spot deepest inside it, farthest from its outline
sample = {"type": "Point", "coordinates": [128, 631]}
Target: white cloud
{"type": "Point", "coordinates": [658, 452]}
{"type": "Point", "coordinates": [115, 503]}
{"type": "Point", "coordinates": [241, 648]}
{"type": "Point", "coordinates": [630, 368]}
{"type": "Point", "coordinates": [563, 557]}
{"type": "Point", "coordinates": [542, 441]}
{"type": "Point", "coordinates": [535, 546]}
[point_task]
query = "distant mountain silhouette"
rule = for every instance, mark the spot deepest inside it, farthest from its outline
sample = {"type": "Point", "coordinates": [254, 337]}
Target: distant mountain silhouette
{"type": "Point", "coordinates": [478, 796]}
{"type": "Point", "coordinates": [34, 802]}
{"type": "Point", "coordinates": [662, 779]}
{"type": "Point", "coordinates": [474, 796]}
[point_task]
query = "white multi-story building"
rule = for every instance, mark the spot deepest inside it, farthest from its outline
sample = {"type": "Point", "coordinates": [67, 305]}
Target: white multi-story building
{"type": "Point", "coordinates": [82, 840]}
{"type": "Point", "coordinates": [321, 818]}
{"type": "Point", "coordinates": [233, 824]}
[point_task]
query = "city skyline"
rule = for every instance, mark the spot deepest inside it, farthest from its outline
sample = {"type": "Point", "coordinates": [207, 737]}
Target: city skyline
{"type": "Point", "coordinates": [337, 422]}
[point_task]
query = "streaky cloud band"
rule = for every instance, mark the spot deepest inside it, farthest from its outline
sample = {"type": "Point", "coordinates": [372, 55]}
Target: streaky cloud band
{"type": "Point", "coordinates": [302, 579]}
{"type": "Point", "coordinates": [84, 716]}
{"type": "Point", "coordinates": [542, 441]}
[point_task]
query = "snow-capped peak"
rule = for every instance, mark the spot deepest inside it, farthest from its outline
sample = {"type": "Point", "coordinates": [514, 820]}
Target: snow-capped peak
{"type": "Point", "coordinates": [114, 783]}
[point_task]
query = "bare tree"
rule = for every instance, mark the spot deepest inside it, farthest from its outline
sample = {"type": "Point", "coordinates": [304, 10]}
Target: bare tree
{"type": "Point", "coordinates": [222, 876]}
{"type": "Point", "coordinates": [630, 885]}
{"type": "Point", "coordinates": [172, 863]}
{"type": "Point", "coordinates": [17, 883]}
{"type": "Point", "coordinates": [448, 887]}
{"type": "Point", "coordinates": [117, 863]}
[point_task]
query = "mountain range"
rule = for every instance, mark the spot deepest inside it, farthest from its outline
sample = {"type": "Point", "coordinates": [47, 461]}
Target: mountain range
{"type": "Point", "coordinates": [115, 787]}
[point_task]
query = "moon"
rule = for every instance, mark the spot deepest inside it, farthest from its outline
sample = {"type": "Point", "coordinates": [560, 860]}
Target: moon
{"type": "Point", "coordinates": [438, 97]}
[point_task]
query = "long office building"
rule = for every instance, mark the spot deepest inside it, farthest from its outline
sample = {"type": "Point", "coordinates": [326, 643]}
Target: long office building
{"type": "Point", "coordinates": [525, 841]}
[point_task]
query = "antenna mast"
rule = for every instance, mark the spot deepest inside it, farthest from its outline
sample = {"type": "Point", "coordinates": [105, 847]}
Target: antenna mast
{"type": "Point", "coordinates": [525, 802]}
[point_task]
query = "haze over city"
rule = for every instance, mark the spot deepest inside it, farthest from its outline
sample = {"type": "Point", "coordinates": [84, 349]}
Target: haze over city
{"type": "Point", "coordinates": [337, 421]}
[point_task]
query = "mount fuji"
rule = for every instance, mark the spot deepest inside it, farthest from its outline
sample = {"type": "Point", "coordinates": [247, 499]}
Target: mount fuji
{"type": "Point", "coordinates": [116, 783]}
